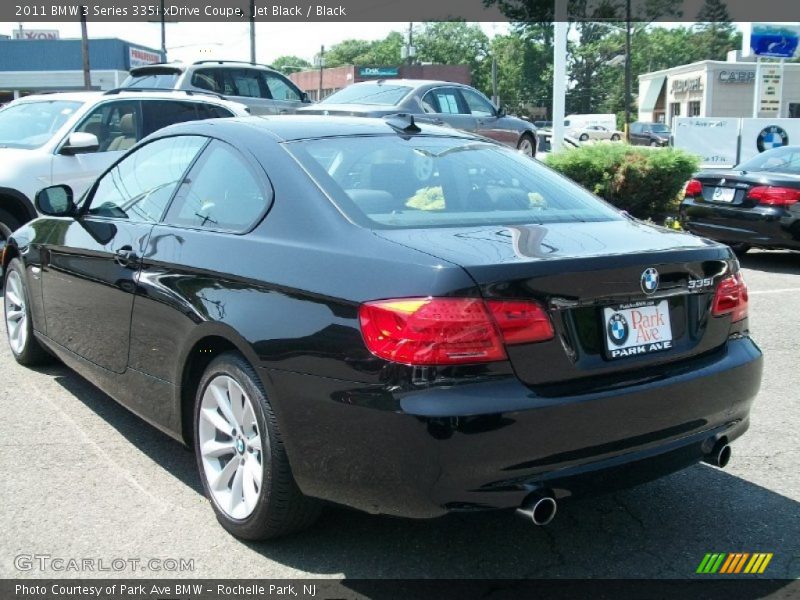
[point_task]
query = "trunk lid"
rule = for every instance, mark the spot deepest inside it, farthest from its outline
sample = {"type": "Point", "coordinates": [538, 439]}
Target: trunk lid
{"type": "Point", "coordinates": [730, 188]}
{"type": "Point", "coordinates": [585, 274]}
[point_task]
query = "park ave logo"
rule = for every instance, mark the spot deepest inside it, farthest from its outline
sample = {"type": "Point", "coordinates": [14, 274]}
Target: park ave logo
{"type": "Point", "coordinates": [638, 328]}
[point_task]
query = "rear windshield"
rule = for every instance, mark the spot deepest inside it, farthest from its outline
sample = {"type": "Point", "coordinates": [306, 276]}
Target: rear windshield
{"type": "Point", "coordinates": [162, 80]}
{"type": "Point", "coordinates": [378, 94]}
{"type": "Point", "coordinates": [779, 160]}
{"type": "Point", "coordinates": [419, 181]}
{"type": "Point", "coordinates": [30, 125]}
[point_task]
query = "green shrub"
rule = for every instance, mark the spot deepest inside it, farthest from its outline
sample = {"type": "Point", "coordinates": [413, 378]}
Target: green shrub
{"type": "Point", "coordinates": [645, 182]}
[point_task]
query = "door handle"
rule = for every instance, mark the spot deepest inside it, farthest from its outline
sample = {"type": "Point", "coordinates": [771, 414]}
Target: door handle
{"type": "Point", "coordinates": [125, 256]}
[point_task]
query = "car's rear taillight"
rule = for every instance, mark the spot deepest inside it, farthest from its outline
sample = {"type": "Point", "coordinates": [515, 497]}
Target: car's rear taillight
{"type": "Point", "coordinates": [450, 331]}
{"type": "Point", "coordinates": [731, 298]}
{"type": "Point", "coordinates": [693, 188]}
{"type": "Point", "coordinates": [774, 196]}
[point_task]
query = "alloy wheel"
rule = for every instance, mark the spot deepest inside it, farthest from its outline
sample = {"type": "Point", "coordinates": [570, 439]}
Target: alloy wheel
{"type": "Point", "coordinates": [230, 447]}
{"type": "Point", "coordinates": [16, 312]}
{"type": "Point", "coordinates": [526, 146]}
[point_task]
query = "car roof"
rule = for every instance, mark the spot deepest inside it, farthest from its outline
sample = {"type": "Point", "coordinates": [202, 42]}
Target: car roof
{"type": "Point", "coordinates": [287, 128]}
{"type": "Point", "coordinates": [414, 83]}
{"type": "Point", "coordinates": [181, 67]}
{"type": "Point", "coordinates": [97, 96]}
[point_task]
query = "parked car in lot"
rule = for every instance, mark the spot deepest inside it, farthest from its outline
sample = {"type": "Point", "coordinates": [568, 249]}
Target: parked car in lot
{"type": "Point", "coordinates": [596, 132]}
{"type": "Point", "coordinates": [264, 90]}
{"type": "Point", "coordinates": [406, 320]}
{"type": "Point", "coordinates": [650, 134]}
{"type": "Point", "coordinates": [434, 102]}
{"type": "Point", "coordinates": [755, 204]}
{"type": "Point", "coordinates": [72, 137]}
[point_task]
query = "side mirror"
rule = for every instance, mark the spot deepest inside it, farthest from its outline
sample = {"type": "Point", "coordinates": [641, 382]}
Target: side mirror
{"type": "Point", "coordinates": [501, 112]}
{"type": "Point", "coordinates": [79, 142]}
{"type": "Point", "coordinates": [56, 201]}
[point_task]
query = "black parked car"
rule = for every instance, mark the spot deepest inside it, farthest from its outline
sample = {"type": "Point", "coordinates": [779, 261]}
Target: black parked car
{"type": "Point", "coordinates": [757, 203]}
{"type": "Point", "coordinates": [650, 134]}
{"type": "Point", "coordinates": [404, 320]}
{"type": "Point", "coordinates": [433, 102]}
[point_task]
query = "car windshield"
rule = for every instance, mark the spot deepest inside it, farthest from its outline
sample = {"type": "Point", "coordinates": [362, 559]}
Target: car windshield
{"type": "Point", "coordinates": [780, 160]}
{"type": "Point", "coordinates": [421, 181]}
{"type": "Point", "coordinates": [659, 128]}
{"type": "Point", "coordinates": [30, 125]}
{"type": "Point", "coordinates": [372, 93]}
{"type": "Point", "coordinates": [162, 80]}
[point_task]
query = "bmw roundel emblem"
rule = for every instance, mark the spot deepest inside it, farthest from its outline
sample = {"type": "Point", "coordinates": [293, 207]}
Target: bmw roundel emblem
{"type": "Point", "coordinates": [772, 137]}
{"type": "Point", "coordinates": [649, 281]}
{"type": "Point", "coordinates": [618, 329]}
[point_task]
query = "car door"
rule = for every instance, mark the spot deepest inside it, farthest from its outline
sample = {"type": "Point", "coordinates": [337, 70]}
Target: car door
{"type": "Point", "coordinates": [285, 96]}
{"type": "Point", "coordinates": [90, 273]}
{"type": "Point", "coordinates": [637, 134]}
{"type": "Point", "coordinates": [487, 123]}
{"type": "Point", "coordinates": [446, 106]}
{"type": "Point", "coordinates": [117, 125]}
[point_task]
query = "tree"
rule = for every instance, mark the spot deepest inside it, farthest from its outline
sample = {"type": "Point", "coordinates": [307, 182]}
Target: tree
{"type": "Point", "coordinates": [456, 43]}
{"type": "Point", "coordinates": [717, 33]}
{"type": "Point", "coordinates": [290, 64]}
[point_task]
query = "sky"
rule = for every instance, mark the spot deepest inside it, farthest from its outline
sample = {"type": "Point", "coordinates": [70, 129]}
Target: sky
{"type": "Point", "coordinates": [195, 41]}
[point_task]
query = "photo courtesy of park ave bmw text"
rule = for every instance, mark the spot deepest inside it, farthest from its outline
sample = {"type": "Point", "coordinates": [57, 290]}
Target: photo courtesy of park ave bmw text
{"type": "Point", "coordinates": [365, 299]}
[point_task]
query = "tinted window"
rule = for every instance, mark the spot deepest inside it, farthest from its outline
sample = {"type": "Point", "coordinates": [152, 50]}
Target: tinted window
{"type": "Point", "coordinates": [206, 79]}
{"type": "Point", "coordinates": [139, 187]}
{"type": "Point", "coordinates": [224, 193]}
{"type": "Point", "coordinates": [165, 80]}
{"type": "Point", "coordinates": [32, 124]}
{"type": "Point", "coordinates": [369, 93]}
{"type": "Point", "coordinates": [157, 114]}
{"type": "Point", "coordinates": [782, 160]}
{"type": "Point", "coordinates": [478, 105]}
{"type": "Point", "coordinates": [211, 111]}
{"type": "Point", "coordinates": [116, 125]}
{"type": "Point", "coordinates": [280, 88]}
{"type": "Point", "coordinates": [427, 182]}
{"type": "Point", "coordinates": [243, 82]}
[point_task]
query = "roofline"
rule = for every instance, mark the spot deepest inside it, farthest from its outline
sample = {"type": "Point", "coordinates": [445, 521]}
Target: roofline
{"type": "Point", "coordinates": [702, 63]}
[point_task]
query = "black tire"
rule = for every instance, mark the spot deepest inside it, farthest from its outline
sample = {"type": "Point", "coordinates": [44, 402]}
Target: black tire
{"type": "Point", "coordinates": [584, 137]}
{"type": "Point", "coordinates": [654, 144]}
{"type": "Point", "coordinates": [281, 508]}
{"type": "Point", "coordinates": [527, 137]}
{"type": "Point", "coordinates": [8, 223]}
{"type": "Point", "coordinates": [615, 138]}
{"type": "Point", "coordinates": [31, 353]}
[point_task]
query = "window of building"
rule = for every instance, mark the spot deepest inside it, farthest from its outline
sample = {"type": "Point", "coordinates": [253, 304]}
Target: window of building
{"type": "Point", "coordinates": [694, 108]}
{"type": "Point", "coordinates": [675, 109]}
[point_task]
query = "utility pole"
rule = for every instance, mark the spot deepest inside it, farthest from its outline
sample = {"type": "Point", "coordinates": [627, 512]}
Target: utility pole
{"type": "Point", "coordinates": [163, 33]}
{"type": "Point", "coordinates": [410, 43]}
{"type": "Point", "coordinates": [495, 97]}
{"type": "Point", "coordinates": [321, 68]}
{"type": "Point", "coordinates": [628, 70]}
{"type": "Point", "coordinates": [87, 73]}
{"type": "Point", "coordinates": [253, 31]}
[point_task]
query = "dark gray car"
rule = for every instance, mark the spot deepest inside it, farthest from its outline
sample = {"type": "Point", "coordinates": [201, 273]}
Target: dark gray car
{"type": "Point", "coordinates": [264, 90]}
{"type": "Point", "coordinates": [436, 102]}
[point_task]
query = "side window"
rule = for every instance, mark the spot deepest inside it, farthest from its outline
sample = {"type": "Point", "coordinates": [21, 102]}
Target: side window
{"type": "Point", "coordinates": [224, 193]}
{"type": "Point", "coordinates": [206, 79]}
{"type": "Point", "coordinates": [429, 104]}
{"type": "Point", "coordinates": [243, 82]}
{"type": "Point", "coordinates": [157, 114]}
{"type": "Point", "coordinates": [140, 186]}
{"type": "Point", "coordinates": [281, 89]}
{"type": "Point", "coordinates": [212, 111]}
{"type": "Point", "coordinates": [447, 99]}
{"type": "Point", "coordinates": [478, 105]}
{"type": "Point", "coordinates": [116, 125]}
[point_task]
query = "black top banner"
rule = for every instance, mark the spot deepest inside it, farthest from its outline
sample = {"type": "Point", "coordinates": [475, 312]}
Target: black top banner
{"type": "Point", "coordinates": [395, 10]}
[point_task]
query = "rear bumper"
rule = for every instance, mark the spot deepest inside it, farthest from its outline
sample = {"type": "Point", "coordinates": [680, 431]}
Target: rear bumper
{"type": "Point", "coordinates": [488, 445]}
{"type": "Point", "coordinates": [766, 227]}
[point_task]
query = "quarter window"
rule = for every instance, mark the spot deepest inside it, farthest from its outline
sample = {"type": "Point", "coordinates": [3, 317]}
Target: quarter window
{"type": "Point", "coordinates": [140, 186]}
{"type": "Point", "coordinates": [224, 193]}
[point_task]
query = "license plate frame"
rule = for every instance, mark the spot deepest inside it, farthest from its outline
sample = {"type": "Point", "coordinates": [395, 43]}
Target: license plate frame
{"type": "Point", "coordinates": [724, 195]}
{"type": "Point", "coordinates": [637, 329]}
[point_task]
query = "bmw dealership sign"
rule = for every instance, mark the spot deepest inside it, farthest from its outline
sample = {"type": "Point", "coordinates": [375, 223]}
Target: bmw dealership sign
{"type": "Point", "coordinates": [777, 40]}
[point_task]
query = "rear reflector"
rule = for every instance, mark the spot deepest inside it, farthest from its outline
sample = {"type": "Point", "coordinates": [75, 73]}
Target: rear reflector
{"type": "Point", "coordinates": [774, 196]}
{"type": "Point", "coordinates": [693, 188]}
{"type": "Point", "coordinates": [450, 331]}
{"type": "Point", "coordinates": [731, 298]}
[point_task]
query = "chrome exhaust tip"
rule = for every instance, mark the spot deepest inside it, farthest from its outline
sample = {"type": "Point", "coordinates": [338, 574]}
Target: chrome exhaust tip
{"type": "Point", "coordinates": [720, 455]}
{"type": "Point", "coordinates": [539, 509]}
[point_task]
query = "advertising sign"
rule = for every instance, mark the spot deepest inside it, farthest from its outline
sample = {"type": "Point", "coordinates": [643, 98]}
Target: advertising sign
{"type": "Point", "coordinates": [759, 135]}
{"type": "Point", "coordinates": [777, 40]}
{"type": "Point", "coordinates": [715, 140]}
{"type": "Point", "coordinates": [378, 71]}
{"type": "Point", "coordinates": [771, 88]}
{"type": "Point", "coordinates": [139, 58]}
{"type": "Point", "coordinates": [36, 34]}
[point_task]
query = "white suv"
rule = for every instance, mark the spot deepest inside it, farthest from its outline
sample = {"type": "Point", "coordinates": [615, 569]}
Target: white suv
{"type": "Point", "coordinates": [71, 138]}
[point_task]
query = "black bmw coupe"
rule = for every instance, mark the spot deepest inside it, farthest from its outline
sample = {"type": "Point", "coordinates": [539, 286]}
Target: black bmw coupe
{"type": "Point", "coordinates": [404, 320]}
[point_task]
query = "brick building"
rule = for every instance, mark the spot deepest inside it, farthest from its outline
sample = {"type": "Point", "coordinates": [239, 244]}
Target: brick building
{"type": "Point", "coordinates": [336, 78]}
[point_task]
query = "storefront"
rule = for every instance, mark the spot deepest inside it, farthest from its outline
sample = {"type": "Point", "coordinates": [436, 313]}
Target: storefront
{"type": "Point", "coordinates": [718, 89]}
{"type": "Point", "coordinates": [29, 66]}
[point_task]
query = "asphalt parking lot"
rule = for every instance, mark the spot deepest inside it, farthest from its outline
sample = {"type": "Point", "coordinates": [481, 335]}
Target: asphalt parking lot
{"type": "Point", "coordinates": [80, 477]}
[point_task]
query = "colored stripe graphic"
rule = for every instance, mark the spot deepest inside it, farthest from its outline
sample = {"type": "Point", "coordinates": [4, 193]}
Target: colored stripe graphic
{"type": "Point", "coordinates": [734, 563]}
